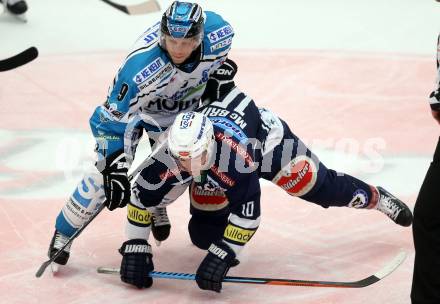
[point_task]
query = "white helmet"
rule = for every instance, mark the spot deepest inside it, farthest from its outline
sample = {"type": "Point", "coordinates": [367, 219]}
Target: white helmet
{"type": "Point", "coordinates": [190, 135]}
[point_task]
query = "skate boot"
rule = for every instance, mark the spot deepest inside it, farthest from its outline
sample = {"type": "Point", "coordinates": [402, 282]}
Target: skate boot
{"type": "Point", "coordinates": [16, 8]}
{"type": "Point", "coordinates": [57, 242]}
{"type": "Point", "coordinates": [160, 224]}
{"type": "Point", "coordinates": [394, 208]}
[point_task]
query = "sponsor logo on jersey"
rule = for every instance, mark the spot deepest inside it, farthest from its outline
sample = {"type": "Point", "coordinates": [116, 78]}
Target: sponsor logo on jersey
{"type": "Point", "coordinates": [75, 212]}
{"type": "Point", "coordinates": [123, 91]}
{"type": "Point", "coordinates": [111, 109]}
{"type": "Point", "coordinates": [223, 176]}
{"type": "Point", "coordinates": [194, 87]}
{"type": "Point", "coordinates": [208, 197]}
{"type": "Point", "coordinates": [108, 137]}
{"type": "Point", "coordinates": [222, 44]}
{"type": "Point", "coordinates": [220, 34]}
{"type": "Point", "coordinates": [149, 70]}
{"type": "Point", "coordinates": [236, 147]}
{"type": "Point", "coordinates": [151, 33]}
{"type": "Point", "coordinates": [360, 199]}
{"type": "Point", "coordinates": [161, 75]}
{"type": "Point", "coordinates": [137, 216]}
{"type": "Point", "coordinates": [298, 177]}
{"type": "Point", "coordinates": [104, 116]}
{"type": "Point", "coordinates": [159, 105]}
{"type": "Point", "coordinates": [237, 234]}
{"type": "Point", "coordinates": [150, 37]}
{"type": "Point", "coordinates": [229, 127]}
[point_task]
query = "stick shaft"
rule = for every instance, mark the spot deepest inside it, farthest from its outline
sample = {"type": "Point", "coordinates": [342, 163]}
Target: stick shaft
{"type": "Point", "coordinates": [43, 266]}
{"type": "Point", "coordinates": [386, 270]}
{"type": "Point", "coordinates": [146, 7]}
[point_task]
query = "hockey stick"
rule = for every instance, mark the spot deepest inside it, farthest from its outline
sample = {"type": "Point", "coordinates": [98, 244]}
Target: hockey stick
{"type": "Point", "coordinates": [19, 59]}
{"type": "Point", "coordinates": [149, 6]}
{"type": "Point", "coordinates": [43, 266]}
{"type": "Point", "coordinates": [386, 270]}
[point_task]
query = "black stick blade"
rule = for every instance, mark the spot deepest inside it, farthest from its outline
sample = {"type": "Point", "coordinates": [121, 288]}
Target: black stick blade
{"type": "Point", "coordinates": [19, 59]}
{"type": "Point", "coordinates": [42, 268]}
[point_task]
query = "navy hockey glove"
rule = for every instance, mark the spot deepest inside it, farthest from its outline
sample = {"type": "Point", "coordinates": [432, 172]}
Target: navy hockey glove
{"type": "Point", "coordinates": [116, 184]}
{"type": "Point", "coordinates": [215, 266]}
{"type": "Point", "coordinates": [137, 262]}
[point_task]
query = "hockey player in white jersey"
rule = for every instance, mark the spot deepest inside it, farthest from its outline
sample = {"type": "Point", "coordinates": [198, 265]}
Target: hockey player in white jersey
{"type": "Point", "coordinates": [165, 74]}
{"type": "Point", "coordinates": [220, 154]}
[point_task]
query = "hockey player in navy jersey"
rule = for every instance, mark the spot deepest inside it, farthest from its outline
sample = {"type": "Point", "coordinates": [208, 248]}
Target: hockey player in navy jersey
{"type": "Point", "coordinates": [220, 153]}
{"type": "Point", "coordinates": [165, 74]}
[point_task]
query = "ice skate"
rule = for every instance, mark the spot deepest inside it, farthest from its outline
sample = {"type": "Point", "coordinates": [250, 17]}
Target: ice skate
{"type": "Point", "coordinates": [160, 224]}
{"type": "Point", "coordinates": [394, 208]}
{"type": "Point", "coordinates": [57, 242]}
{"type": "Point", "coordinates": [15, 8]}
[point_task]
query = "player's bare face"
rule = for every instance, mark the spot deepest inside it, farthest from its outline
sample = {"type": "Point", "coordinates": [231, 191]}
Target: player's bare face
{"type": "Point", "coordinates": [193, 165]}
{"type": "Point", "coordinates": [180, 49]}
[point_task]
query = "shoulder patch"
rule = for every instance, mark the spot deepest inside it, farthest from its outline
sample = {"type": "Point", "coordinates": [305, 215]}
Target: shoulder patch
{"type": "Point", "coordinates": [159, 76]}
{"type": "Point", "coordinates": [221, 44]}
{"type": "Point", "coordinates": [149, 70]}
{"type": "Point", "coordinates": [220, 33]}
{"type": "Point", "coordinates": [150, 34]}
{"type": "Point", "coordinates": [123, 91]}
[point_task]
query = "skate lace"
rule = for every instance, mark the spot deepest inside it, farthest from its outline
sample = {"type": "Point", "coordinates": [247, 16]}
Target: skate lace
{"type": "Point", "coordinates": [389, 207]}
{"type": "Point", "coordinates": [160, 216]}
{"type": "Point", "coordinates": [60, 241]}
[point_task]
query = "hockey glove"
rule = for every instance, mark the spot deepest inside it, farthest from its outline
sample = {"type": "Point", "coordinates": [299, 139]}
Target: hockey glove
{"type": "Point", "coordinates": [137, 262]}
{"type": "Point", "coordinates": [434, 101]}
{"type": "Point", "coordinates": [116, 184]}
{"type": "Point", "coordinates": [220, 82]}
{"type": "Point", "coordinates": [215, 266]}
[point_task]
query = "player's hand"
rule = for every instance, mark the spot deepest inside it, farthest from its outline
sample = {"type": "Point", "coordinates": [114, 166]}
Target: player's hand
{"type": "Point", "coordinates": [220, 82]}
{"type": "Point", "coordinates": [215, 266]}
{"type": "Point", "coordinates": [436, 115]}
{"type": "Point", "coordinates": [137, 262]}
{"type": "Point", "coordinates": [117, 186]}
{"type": "Point", "coordinates": [434, 99]}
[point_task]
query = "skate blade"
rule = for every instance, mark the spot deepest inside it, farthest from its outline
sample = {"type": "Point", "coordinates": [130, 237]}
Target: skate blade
{"type": "Point", "coordinates": [21, 18]}
{"type": "Point", "coordinates": [54, 267]}
{"type": "Point", "coordinates": [7, 16]}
